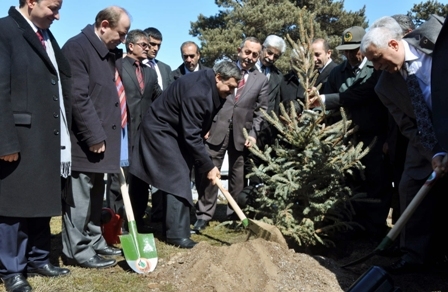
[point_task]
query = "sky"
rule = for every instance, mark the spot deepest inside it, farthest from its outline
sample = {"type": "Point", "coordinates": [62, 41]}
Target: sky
{"type": "Point", "coordinates": [173, 17]}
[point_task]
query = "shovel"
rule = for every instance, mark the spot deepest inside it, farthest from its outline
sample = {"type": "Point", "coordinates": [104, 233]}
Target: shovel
{"type": "Point", "coordinates": [260, 229]}
{"type": "Point", "coordinates": [401, 222]}
{"type": "Point", "coordinates": [139, 249]}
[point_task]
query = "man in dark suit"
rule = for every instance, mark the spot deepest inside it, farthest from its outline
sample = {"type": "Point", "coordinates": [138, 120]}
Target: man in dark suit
{"type": "Point", "coordinates": [99, 134]}
{"type": "Point", "coordinates": [403, 87]}
{"type": "Point", "coordinates": [171, 141]}
{"type": "Point", "coordinates": [438, 94]}
{"type": "Point", "coordinates": [322, 59]}
{"type": "Point", "coordinates": [163, 70]}
{"type": "Point", "coordinates": [272, 49]}
{"type": "Point", "coordinates": [241, 110]}
{"type": "Point", "coordinates": [191, 56]}
{"type": "Point", "coordinates": [141, 87]}
{"type": "Point", "coordinates": [34, 118]}
{"type": "Point", "coordinates": [291, 89]}
{"type": "Point", "coordinates": [351, 85]}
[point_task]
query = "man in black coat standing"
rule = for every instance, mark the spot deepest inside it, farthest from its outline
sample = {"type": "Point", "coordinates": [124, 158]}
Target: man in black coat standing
{"type": "Point", "coordinates": [171, 140]}
{"type": "Point", "coordinates": [191, 56]}
{"type": "Point", "coordinates": [34, 140]}
{"type": "Point", "coordinates": [98, 134]}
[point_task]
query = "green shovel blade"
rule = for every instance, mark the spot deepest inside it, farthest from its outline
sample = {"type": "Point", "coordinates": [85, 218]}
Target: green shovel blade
{"type": "Point", "coordinates": [139, 250]}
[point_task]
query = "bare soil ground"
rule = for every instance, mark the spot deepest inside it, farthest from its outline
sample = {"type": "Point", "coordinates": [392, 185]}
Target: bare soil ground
{"type": "Point", "coordinates": [225, 260]}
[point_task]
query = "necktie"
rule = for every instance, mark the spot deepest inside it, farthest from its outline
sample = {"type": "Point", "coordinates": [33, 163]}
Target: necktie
{"type": "Point", "coordinates": [138, 73]}
{"type": "Point", "coordinates": [240, 85]}
{"type": "Point", "coordinates": [41, 38]}
{"type": "Point", "coordinates": [422, 114]}
{"type": "Point", "coordinates": [151, 64]}
{"type": "Point", "coordinates": [122, 96]}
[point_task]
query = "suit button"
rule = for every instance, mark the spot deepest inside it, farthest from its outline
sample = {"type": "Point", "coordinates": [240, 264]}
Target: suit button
{"type": "Point", "coordinates": [55, 115]}
{"type": "Point", "coordinates": [55, 98]}
{"type": "Point", "coordinates": [53, 81]}
{"type": "Point", "coordinates": [114, 127]}
{"type": "Point", "coordinates": [117, 104]}
{"type": "Point", "coordinates": [56, 132]}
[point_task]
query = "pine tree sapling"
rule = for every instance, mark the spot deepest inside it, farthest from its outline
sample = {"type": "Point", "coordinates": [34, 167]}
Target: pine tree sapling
{"type": "Point", "coordinates": [304, 171]}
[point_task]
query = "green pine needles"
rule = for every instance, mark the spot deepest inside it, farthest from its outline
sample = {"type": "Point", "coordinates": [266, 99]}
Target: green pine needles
{"type": "Point", "coordinates": [304, 170]}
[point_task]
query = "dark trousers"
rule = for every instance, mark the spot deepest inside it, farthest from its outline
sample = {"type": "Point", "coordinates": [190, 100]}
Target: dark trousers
{"type": "Point", "coordinates": [138, 193]}
{"type": "Point", "coordinates": [24, 242]}
{"type": "Point", "coordinates": [177, 216]}
{"type": "Point", "coordinates": [208, 193]}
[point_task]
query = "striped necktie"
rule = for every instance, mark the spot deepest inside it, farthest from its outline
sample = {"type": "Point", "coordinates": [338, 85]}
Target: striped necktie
{"type": "Point", "coordinates": [122, 96]}
{"type": "Point", "coordinates": [240, 85]}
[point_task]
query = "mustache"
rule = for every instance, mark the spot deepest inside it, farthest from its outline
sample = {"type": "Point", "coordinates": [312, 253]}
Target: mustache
{"type": "Point", "coordinates": [247, 60]}
{"type": "Point", "coordinates": [269, 61]}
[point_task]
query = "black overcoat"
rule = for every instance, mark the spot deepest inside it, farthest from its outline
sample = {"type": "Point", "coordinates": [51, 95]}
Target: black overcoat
{"type": "Point", "coordinates": [172, 131]}
{"type": "Point", "coordinates": [96, 106]}
{"type": "Point", "coordinates": [30, 120]}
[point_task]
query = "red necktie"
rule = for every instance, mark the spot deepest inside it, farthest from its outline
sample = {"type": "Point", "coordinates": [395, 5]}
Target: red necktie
{"type": "Point", "coordinates": [122, 96]}
{"type": "Point", "coordinates": [240, 85]}
{"type": "Point", "coordinates": [41, 38]}
{"type": "Point", "coordinates": [138, 72]}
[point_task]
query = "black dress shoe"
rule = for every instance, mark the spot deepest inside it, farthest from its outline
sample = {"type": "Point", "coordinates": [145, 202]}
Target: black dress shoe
{"type": "Point", "coordinates": [48, 271]}
{"type": "Point", "coordinates": [200, 225]}
{"type": "Point", "coordinates": [109, 251]}
{"type": "Point", "coordinates": [17, 283]}
{"type": "Point", "coordinates": [98, 262]}
{"type": "Point", "coordinates": [181, 242]}
{"type": "Point", "coordinates": [403, 267]}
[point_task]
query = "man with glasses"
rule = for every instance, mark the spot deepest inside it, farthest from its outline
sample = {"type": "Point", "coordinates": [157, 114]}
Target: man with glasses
{"type": "Point", "coordinates": [241, 110]}
{"type": "Point", "coordinates": [99, 125]}
{"type": "Point", "coordinates": [141, 87]}
{"type": "Point", "coordinates": [190, 55]}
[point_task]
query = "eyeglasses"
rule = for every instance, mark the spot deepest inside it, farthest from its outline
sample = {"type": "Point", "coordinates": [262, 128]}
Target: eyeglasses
{"type": "Point", "coordinates": [143, 45]}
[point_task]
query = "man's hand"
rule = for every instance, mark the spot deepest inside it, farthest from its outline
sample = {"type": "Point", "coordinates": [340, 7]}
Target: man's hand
{"type": "Point", "coordinates": [10, 157]}
{"type": "Point", "coordinates": [440, 164]}
{"type": "Point", "coordinates": [315, 101]}
{"type": "Point", "coordinates": [98, 148]}
{"type": "Point", "coordinates": [250, 141]}
{"type": "Point", "coordinates": [207, 135]}
{"type": "Point", "coordinates": [213, 174]}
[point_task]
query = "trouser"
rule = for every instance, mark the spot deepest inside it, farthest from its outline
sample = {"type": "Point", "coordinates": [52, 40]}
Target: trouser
{"type": "Point", "coordinates": [207, 192]}
{"type": "Point", "coordinates": [81, 223]}
{"type": "Point", "coordinates": [177, 216]}
{"type": "Point", "coordinates": [139, 193]}
{"type": "Point", "coordinates": [24, 242]}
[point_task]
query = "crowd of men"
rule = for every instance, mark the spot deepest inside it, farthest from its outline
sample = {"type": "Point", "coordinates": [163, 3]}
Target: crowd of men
{"type": "Point", "coordinates": [69, 116]}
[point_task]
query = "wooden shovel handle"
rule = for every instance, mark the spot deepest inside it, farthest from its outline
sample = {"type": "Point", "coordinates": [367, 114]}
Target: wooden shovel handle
{"type": "Point", "coordinates": [125, 195]}
{"type": "Point", "coordinates": [230, 199]}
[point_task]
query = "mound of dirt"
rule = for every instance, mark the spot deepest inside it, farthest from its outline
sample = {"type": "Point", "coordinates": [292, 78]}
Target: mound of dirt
{"type": "Point", "coordinates": [255, 265]}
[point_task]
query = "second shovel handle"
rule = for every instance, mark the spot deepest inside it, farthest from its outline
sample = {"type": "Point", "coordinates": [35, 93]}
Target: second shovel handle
{"type": "Point", "coordinates": [232, 202]}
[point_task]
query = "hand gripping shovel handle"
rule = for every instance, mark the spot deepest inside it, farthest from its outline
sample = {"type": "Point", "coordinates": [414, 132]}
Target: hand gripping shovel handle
{"type": "Point", "coordinates": [232, 202]}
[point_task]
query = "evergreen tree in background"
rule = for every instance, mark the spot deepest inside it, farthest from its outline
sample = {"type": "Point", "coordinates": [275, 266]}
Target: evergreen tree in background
{"type": "Point", "coordinates": [304, 171]}
{"type": "Point", "coordinates": [422, 11]}
{"type": "Point", "coordinates": [220, 35]}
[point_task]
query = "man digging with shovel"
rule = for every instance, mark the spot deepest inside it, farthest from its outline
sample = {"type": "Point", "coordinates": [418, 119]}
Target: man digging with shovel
{"type": "Point", "coordinates": [171, 141]}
